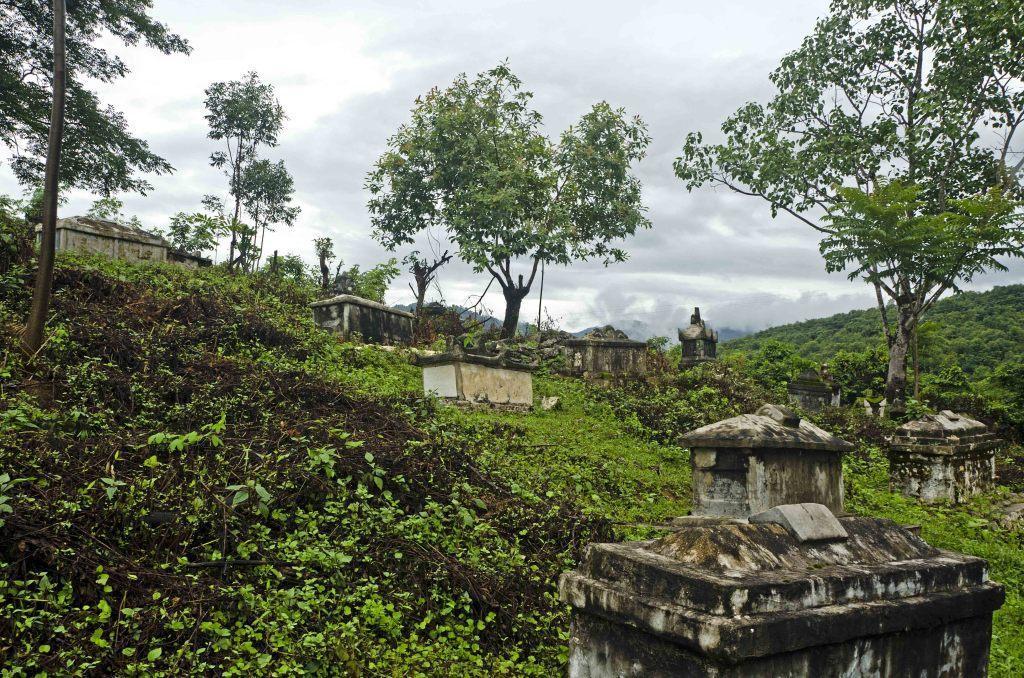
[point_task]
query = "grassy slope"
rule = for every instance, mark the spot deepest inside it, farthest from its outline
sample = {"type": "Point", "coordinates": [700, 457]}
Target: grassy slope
{"type": "Point", "coordinates": [585, 461]}
{"type": "Point", "coordinates": [978, 330]}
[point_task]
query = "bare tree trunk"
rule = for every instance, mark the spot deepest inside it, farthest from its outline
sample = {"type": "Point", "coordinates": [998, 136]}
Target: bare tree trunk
{"type": "Point", "coordinates": [234, 223]}
{"type": "Point", "coordinates": [325, 273]}
{"type": "Point", "coordinates": [540, 300]}
{"type": "Point", "coordinates": [917, 364]}
{"type": "Point", "coordinates": [421, 293]}
{"type": "Point", "coordinates": [44, 275]}
{"type": "Point", "coordinates": [513, 303]}
{"type": "Point", "coordinates": [896, 377]}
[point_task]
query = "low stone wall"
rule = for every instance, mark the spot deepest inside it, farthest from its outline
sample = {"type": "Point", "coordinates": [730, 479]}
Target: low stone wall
{"type": "Point", "coordinates": [590, 358]}
{"type": "Point", "coordinates": [99, 236]}
{"type": "Point", "coordinates": [348, 315]}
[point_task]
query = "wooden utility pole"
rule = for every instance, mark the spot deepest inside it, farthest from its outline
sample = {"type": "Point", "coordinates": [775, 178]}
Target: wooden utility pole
{"type": "Point", "coordinates": [33, 337]}
{"type": "Point", "coordinates": [540, 298]}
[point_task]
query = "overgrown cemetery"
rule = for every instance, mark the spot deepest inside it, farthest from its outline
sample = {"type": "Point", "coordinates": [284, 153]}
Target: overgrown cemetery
{"type": "Point", "coordinates": [219, 456]}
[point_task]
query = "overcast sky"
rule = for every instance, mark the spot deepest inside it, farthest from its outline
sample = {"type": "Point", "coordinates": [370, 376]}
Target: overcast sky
{"type": "Point", "coordinates": [348, 73]}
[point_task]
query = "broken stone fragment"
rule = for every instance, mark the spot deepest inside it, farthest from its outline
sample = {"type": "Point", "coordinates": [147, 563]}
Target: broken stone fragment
{"type": "Point", "coordinates": [806, 522]}
{"type": "Point", "coordinates": [550, 403]}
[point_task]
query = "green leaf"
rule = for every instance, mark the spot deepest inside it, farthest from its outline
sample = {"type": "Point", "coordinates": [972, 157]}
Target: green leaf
{"type": "Point", "coordinates": [154, 654]}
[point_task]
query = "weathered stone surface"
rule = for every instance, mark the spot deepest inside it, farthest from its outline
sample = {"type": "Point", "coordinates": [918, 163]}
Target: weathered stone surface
{"type": "Point", "coordinates": [737, 599]}
{"type": "Point", "coordinates": [548, 403]}
{"type": "Point", "coordinates": [376, 323]}
{"type": "Point", "coordinates": [945, 456]}
{"type": "Point", "coordinates": [765, 430]}
{"type": "Point", "coordinates": [809, 391]}
{"type": "Point", "coordinates": [699, 342]}
{"type": "Point", "coordinates": [805, 522]}
{"type": "Point", "coordinates": [605, 352]}
{"type": "Point", "coordinates": [753, 462]}
{"type": "Point", "coordinates": [119, 241]}
{"type": "Point", "coordinates": [477, 379]}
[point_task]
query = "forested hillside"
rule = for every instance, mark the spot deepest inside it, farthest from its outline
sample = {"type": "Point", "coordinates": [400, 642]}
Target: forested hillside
{"type": "Point", "coordinates": [975, 330]}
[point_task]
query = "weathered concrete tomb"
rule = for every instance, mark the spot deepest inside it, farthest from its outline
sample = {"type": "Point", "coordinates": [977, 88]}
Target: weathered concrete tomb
{"type": "Point", "coordinates": [753, 462]}
{"type": "Point", "coordinates": [604, 352]}
{"type": "Point", "coordinates": [945, 456]}
{"type": "Point", "coordinates": [119, 241]}
{"type": "Point", "coordinates": [699, 342]}
{"type": "Point", "coordinates": [743, 599]}
{"type": "Point", "coordinates": [478, 380]}
{"type": "Point", "coordinates": [375, 323]}
{"type": "Point", "coordinates": [809, 391]}
{"type": "Point", "coordinates": [799, 589]}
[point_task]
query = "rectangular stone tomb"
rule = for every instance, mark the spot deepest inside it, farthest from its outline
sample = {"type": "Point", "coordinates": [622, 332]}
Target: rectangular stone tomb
{"type": "Point", "coordinates": [945, 456]}
{"type": "Point", "coordinates": [753, 462]}
{"type": "Point", "coordinates": [375, 323]}
{"type": "Point", "coordinates": [592, 358]}
{"type": "Point", "coordinates": [478, 380]}
{"type": "Point", "coordinates": [854, 596]}
{"type": "Point", "coordinates": [810, 392]}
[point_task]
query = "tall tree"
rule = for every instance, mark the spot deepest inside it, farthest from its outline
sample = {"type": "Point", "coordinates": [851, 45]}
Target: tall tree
{"type": "Point", "coordinates": [245, 114]}
{"type": "Point", "coordinates": [197, 232]}
{"type": "Point", "coordinates": [921, 94]}
{"type": "Point", "coordinates": [267, 190]}
{"type": "Point", "coordinates": [33, 336]}
{"type": "Point", "coordinates": [423, 272]}
{"type": "Point", "coordinates": [473, 161]}
{"type": "Point", "coordinates": [99, 152]}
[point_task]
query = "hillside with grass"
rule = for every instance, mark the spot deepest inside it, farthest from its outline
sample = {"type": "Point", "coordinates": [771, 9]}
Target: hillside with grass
{"type": "Point", "coordinates": [977, 331]}
{"type": "Point", "coordinates": [195, 479]}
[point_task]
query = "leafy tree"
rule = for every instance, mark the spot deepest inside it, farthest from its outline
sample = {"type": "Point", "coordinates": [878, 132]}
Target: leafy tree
{"type": "Point", "coordinates": [267, 189]}
{"type": "Point", "coordinates": [197, 232]}
{"type": "Point", "coordinates": [291, 266]}
{"type": "Point", "coordinates": [892, 239]}
{"type": "Point", "coordinates": [16, 236]}
{"type": "Point", "coordinates": [911, 93]}
{"type": "Point", "coordinates": [99, 152]}
{"type": "Point", "coordinates": [112, 209]}
{"type": "Point", "coordinates": [373, 284]}
{"type": "Point", "coordinates": [858, 373]}
{"type": "Point", "coordinates": [245, 115]}
{"type": "Point", "coordinates": [423, 272]}
{"type": "Point", "coordinates": [474, 162]}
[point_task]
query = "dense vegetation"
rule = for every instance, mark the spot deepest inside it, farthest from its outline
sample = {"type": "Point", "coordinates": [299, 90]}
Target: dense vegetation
{"type": "Point", "coordinates": [976, 330]}
{"type": "Point", "coordinates": [195, 479]}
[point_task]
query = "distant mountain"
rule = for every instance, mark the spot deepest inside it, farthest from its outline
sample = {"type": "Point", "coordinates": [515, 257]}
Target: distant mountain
{"type": "Point", "coordinates": [976, 330]}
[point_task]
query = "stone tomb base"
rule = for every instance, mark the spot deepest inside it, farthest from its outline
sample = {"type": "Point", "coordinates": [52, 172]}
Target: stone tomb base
{"type": "Point", "coordinates": [736, 599]}
{"type": "Point", "coordinates": [373, 322]}
{"type": "Point", "coordinates": [469, 380]}
{"type": "Point", "coordinates": [942, 457]}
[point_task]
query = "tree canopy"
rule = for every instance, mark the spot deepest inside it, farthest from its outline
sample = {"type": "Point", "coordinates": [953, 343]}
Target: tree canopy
{"type": "Point", "coordinates": [924, 96]}
{"type": "Point", "coordinates": [245, 114]}
{"type": "Point", "coordinates": [99, 151]}
{"type": "Point", "coordinates": [473, 162]}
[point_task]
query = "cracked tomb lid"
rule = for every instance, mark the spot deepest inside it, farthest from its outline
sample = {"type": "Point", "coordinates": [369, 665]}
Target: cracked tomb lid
{"type": "Point", "coordinates": [737, 590]}
{"type": "Point", "coordinates": [773, 426]}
